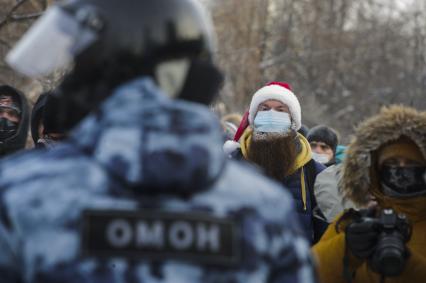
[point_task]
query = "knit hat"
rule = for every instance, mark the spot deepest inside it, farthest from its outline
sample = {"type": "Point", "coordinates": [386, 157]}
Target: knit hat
{"type": "Point", "coordinates": [400, 148]}
{"type": "Point", "coordinates": [282, 92]}
{"type": "Point", "coordinates": [9, 98]}
{"type": "Point", "coordinates": [324, 134]}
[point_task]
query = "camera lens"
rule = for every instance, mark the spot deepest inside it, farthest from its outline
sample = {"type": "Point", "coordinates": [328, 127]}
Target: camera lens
{"type": "Point", "coordinates": [391, 262]}
{"type": "Point", "coordinates": [389, 258]}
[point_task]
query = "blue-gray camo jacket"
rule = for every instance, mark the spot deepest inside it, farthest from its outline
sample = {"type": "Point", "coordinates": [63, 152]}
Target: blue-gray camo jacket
{"type": "Point", "coordinates": [143, 152]}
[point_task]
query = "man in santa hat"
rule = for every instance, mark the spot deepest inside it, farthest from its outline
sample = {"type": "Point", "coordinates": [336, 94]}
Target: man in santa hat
{"type": "Point", "coordinates": [268, 137]}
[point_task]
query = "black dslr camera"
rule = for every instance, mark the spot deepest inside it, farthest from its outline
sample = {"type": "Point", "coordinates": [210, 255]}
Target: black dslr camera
{"type": "Point", "coordinates": [390, 255]}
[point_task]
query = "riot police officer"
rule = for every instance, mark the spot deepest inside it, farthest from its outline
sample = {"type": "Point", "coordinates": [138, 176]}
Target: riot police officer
{"type": "Point", "coordinates": [141, 191]}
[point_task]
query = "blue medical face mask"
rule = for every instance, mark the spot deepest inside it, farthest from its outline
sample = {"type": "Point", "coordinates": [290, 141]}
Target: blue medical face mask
{"type": "Point", "coordinates": [272, 121]}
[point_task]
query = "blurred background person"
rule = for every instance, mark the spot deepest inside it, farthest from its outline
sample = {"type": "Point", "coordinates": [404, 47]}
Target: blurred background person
{"type": "Point", "coordinates": [37, 118]}
{"type": "Point", "coordinates": [323, 141]}
{"type": "Point", "coordinates": [340, 153]}
{"type": "Point", "coordinates": [234, 118]}
{"type": "Point", "coordinates": [14, 120]}
{"type": "Point", "coordinates": [230, 124]}
{"type": "Point", "coordinates": [44, 129]}
{"type": "Point", "coordinates": [229, 130]}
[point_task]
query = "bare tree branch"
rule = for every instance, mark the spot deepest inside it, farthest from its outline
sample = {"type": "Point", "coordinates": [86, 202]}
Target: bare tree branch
{"type": "Point", "coordinates": [25, 17]}
{"type": "Point", "coordinates": [4, 42]}
{"type": "Point", "coordinates": [38, 5]}
{"type": "Point", "coordinates": [9, 14]}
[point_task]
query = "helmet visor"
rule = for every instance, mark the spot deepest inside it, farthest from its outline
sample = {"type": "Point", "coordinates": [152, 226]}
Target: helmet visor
{"type": "Point", "coordinates": [51, 43]}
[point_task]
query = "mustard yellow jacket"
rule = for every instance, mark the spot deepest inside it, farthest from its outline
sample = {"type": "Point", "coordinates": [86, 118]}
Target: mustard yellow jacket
{"type": "Point", "coordinates": [329, 251]}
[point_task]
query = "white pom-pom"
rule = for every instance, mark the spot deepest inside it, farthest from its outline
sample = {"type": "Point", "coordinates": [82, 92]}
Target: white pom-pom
{"type": "Point", "coordinates": [230, 146]}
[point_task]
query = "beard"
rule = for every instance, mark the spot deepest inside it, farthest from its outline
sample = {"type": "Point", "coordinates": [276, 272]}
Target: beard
{"type": "Point", "coordinates": [275, 153]}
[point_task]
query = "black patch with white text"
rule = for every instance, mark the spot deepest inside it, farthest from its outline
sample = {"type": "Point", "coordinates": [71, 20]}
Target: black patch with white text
{"type": "Point", "coordinates": [195, 237]}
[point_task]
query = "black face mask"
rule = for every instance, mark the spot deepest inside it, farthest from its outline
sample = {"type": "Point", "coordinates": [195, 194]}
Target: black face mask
{"type": "Point", "coordinates": [403, 181]}
{"type": "Point", "coordinates": [7, 129]}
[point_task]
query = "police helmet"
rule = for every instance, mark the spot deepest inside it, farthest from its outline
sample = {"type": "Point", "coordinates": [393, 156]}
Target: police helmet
{"type": "Point", "coordinates": [116, 41]}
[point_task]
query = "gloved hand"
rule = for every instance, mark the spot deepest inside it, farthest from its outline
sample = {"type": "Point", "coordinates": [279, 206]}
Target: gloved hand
{"type": "Point", "coordinates": [361, 237]}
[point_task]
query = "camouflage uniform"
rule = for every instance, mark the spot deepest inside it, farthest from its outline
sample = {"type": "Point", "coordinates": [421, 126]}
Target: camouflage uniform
{"type": "Point", "coordinates": [143, 152]}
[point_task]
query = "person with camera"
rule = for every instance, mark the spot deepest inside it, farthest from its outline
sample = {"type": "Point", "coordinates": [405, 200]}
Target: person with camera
{"type": "Point", "coordinates": [386, 161]}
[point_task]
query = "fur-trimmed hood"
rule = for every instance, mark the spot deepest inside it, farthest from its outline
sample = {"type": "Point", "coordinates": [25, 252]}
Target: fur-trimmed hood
{"type": "Point", "coordinates": [393, 122]}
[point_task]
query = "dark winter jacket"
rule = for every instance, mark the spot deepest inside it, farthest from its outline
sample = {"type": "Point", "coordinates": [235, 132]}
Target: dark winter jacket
{"type": "Point", "coordinates": [311, 216]}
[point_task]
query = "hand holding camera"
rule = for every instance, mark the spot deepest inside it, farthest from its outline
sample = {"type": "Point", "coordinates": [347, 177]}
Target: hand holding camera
{"type": "Point", "coordinates": [381, 240]}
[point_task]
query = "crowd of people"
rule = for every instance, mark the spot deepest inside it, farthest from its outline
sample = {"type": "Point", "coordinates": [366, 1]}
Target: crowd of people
{"type": "Point", "coordinates": [362, 207]}
{"type": "Point", "coordinates": [134, 179]}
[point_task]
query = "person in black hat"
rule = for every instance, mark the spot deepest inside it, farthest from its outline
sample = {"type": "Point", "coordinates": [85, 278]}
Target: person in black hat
{"type": "Point", "coordinates": [13, 120]}
{"type": "Point", "coordinates": [43, 130]}
{"type": "Point", "coordinates": [323, 141]}
{"type": "Point", "coordinates": [36, 118]}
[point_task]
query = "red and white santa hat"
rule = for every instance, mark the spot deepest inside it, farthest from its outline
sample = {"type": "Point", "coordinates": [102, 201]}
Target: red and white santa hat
{"type": "Point", "coordinates": [280, 91]}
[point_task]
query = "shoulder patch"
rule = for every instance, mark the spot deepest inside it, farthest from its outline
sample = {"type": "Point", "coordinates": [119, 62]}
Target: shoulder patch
{"type": "Point", "coordinates": [195, 237]}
